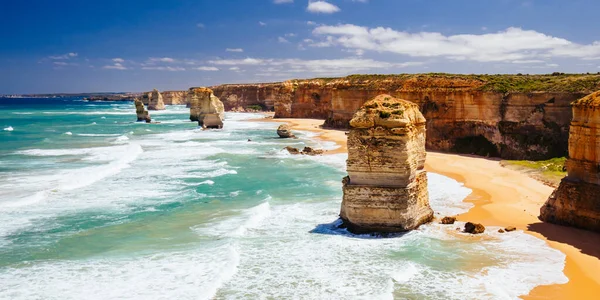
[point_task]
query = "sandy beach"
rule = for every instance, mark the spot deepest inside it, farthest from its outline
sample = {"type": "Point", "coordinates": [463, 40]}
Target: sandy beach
{"type": "Point", "coordinates": [504, 197]}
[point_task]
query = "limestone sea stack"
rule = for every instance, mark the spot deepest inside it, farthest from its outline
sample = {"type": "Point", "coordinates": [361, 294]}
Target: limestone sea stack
{"type": "Point", "coordinates": [205, 108]}
{"type": "Point", "coordinates": [156, 101]}
{"type": "Point", "coordinates": [140, 110]}
{"type": "Point", "coordinates": [386, 187]}
{"type": "Point", "coordinates": [576, 202]}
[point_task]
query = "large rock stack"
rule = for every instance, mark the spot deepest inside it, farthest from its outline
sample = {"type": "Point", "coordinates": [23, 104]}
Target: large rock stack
{"type": "Point", "coordinates": [576, 202]}
{"type": "Point", "coordinates": [206, 108]}
{"type": "Point", "coordinates": [156, 101]}
{"type": "Point", "coordinates": [386, 186]}
{"type": "Point", "coordinates": [141, 112]}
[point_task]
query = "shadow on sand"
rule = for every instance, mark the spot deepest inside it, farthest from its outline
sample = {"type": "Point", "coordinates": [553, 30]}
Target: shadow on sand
{"type": "Point", "coordinates": [586, 241]}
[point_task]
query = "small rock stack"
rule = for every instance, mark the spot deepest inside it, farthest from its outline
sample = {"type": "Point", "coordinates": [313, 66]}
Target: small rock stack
{"type": "Point", "coordinates": [576, 202]}
{"type": "Point", "coordinates": [206, 108]}
{"type": "Point", "coordinates": [141, 112]}
{"type": "Point", "coordinates": [386, 186]}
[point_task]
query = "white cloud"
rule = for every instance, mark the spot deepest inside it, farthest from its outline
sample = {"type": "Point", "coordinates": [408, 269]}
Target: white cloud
{"type": "Point", "coordinates": [64, 56]}
{"type": "Point", "coordinates": [294, 66]}
{"type": "Point", "coordinates": [118, 60]}
{"type": "Point", "coordinates": [262, 23]}
{"type": "Point", "coordinates": [282, 40]}
{"type": "Point", "coordinates": [234, 68]}
{"type": "Point", "coordinates": [290, 34]}
{"type": "Point", "coordinates": [512, 44]}
{"type": "Point", "coordinates": [204, 68]}
{"type": "Point", "coordinates": [164, 68]}
{"type": "Point", "coordinates": [234, 50]}
{"type": "Point", "coordinates": [161, 59]}
{"type": "Point", "coordinates": [322, 7]}
{"type": "Point", "coordinates": [115, 66]}
{"type": "Point", "coordinates": [200, 25]}
{"type": "Point", "coordinates": [60, 63]}
{"type": "Point", "coordinates": [311, 23]}
{"type": "Point", "coordinates": [282, 1]}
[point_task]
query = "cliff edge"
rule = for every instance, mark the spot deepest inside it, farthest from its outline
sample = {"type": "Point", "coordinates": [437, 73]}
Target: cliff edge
{"type": "Point", "coordinates": [576, 202]}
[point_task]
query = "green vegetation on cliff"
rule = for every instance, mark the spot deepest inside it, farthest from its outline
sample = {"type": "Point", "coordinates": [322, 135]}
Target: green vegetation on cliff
{"type": "Point", "coordinates": [556, 82]}
{"type": "Point", "coordinates": [549, 171]}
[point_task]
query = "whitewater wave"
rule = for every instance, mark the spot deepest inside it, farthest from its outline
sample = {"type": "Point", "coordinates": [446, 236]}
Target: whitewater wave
{"type": "Point", "coordinates": [9, 128]}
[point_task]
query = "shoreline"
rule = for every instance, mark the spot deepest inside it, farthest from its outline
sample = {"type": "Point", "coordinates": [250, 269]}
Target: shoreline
{"type": "Point", "coordinates": [504, 197]}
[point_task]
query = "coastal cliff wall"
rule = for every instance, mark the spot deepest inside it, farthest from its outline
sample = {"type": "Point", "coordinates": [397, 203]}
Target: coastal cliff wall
{"type": "Point", "coordinates": [510, 116]}
{"type": "Point", "coordinates": [576, 202]}
{"type": "Point", "coordinates": [175, 97]}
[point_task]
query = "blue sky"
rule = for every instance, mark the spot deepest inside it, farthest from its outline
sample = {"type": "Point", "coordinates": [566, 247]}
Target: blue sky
{"type": "Point", "coordinates": [132, 45]}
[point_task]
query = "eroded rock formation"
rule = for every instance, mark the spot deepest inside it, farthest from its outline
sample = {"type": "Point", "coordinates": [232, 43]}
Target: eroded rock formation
{"type": "Point", "coordinates": [155, 101]}
{"type": "Point", "coordinates": [386, 186]}
{"type": "Point", "coordinates": [514, 117]}
{"type": "Point", "coordinates": [205, 108]}
{"type": "Point", "coordinates": [576, 202]}
{"type": "Point", "coordinates": [141, 112]}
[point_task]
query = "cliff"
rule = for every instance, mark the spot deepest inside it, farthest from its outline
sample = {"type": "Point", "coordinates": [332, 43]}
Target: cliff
{"type": "Point", "coordinates": [175, 97]}
{"type": "Point", "coordinates": [510, 116]}
{"type": "Point", "coordinates": [576, 202]}
{"type": "Point", "coordinates": [205, 108]}
{"type": "Point", "coordinates": [386, 187]}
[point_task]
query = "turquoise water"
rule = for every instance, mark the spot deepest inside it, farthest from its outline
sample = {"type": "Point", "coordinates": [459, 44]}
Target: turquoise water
{"type": "Point", "coordinates": [95, 206]}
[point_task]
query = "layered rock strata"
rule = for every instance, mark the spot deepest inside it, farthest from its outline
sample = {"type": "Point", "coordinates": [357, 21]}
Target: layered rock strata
{"type": "Point", "coordinates": [386, 186]}
{"type": "Point", "coordinates": [155, 101]}
{"type": "Point", "coordinates": [205, 108]}
{"type": "Point", "coordinates": [510, 116]}
{"type": "Point", "coordinates": [576, 202]}
{"type": "Point", "coordinates": [175, 97]}
{"type": "Point", "coordinates": [141, 112]}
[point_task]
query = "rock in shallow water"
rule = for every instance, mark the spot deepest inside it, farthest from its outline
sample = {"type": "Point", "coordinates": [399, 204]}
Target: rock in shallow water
{"type": "Point", "coordinates": [206, 108]}
{"type": "Point", "coordinates": [448, 220]}
{"type": "Point", "coordinates": [386, 187]}
{"type": "Point", "coordinates": [285, 132]}
{"type": "Point", "coordinates": [474, 228]}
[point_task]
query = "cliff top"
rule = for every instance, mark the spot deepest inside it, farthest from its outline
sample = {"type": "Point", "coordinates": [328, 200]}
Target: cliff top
{"type": "Point", "coordinates": [591, 100]}
{"type": "Point", "coordinates": [556, 82]}
{"type": "Point", "coordinates": [387, 111]}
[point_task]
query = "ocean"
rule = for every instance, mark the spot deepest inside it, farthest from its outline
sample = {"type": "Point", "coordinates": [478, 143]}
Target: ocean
{"type": "Point", "coordinates": [96, 206]}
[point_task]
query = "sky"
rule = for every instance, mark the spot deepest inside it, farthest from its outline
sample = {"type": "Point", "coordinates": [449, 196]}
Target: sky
{"type": "Point", "coordinates": [52, 46]}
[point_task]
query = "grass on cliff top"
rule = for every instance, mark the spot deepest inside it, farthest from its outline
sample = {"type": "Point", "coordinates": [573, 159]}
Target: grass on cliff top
{"type": "Point", "coordinates": [555, 82]}
{"type": "Point", "coordinates": [549, 171]}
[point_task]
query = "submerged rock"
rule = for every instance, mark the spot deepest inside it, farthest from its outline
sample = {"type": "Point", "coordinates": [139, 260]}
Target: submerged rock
{"type": "Point", "coordinates": [386, 187]}
{"type": "Point", "coordinates": [141, 112]}
{"type": "Point", "coordinates": [576, 202]}
{"type": "Point", "coordinates": [501, 230]}
{"type": "Point", "coordinates": [284, 131]}
{"type": "Point", "coordinates": [312, 152]}
{"type": "Point", "coordinates": [474, 228]}
{"type": "Point", "coordinates": [448, 220]}
{"type": "Point", "coordinates": [292, 150]}
{"type": "Point", "coordinates": [206, 108]}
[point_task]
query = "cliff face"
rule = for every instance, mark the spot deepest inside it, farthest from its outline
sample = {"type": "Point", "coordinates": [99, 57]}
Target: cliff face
{"type": "Point", "coordinates": [156, 101]}
{"type": "Point", "coordinates": [175, 97]}
{"type": "Point", "coordinates": [576, 202]}
{"type": "Point", "coordinates": [205, 108]}
{"type": "Point", "coordinates": [514, 117]}
{"type": "Point", "coordinates": [386, 187]}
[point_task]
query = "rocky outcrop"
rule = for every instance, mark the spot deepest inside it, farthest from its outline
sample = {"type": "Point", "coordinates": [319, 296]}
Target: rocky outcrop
{"type": "Point", "coordinates": [576, 202]}
{"type": "Point", "coordinates": [284, 131]}
{"type": "Point", "coordinates": [474, 228]}
{"type": "Point", "coordinates": [175, 97]}
{"type": "Point", "coordinates": [510, 116]}
{"type": "Point", "coordinates": [386, 186]}
{"type": "Point", "coordinates": [306, 151]}
{"type": "Point", "coordinates": [155, 101]}
{"type": "Point", "coordinates": [205, 108]}
{"type": "Point", "coordinates": [448, 220]}
{"type": "Point", "coordinates": [140, 110]}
